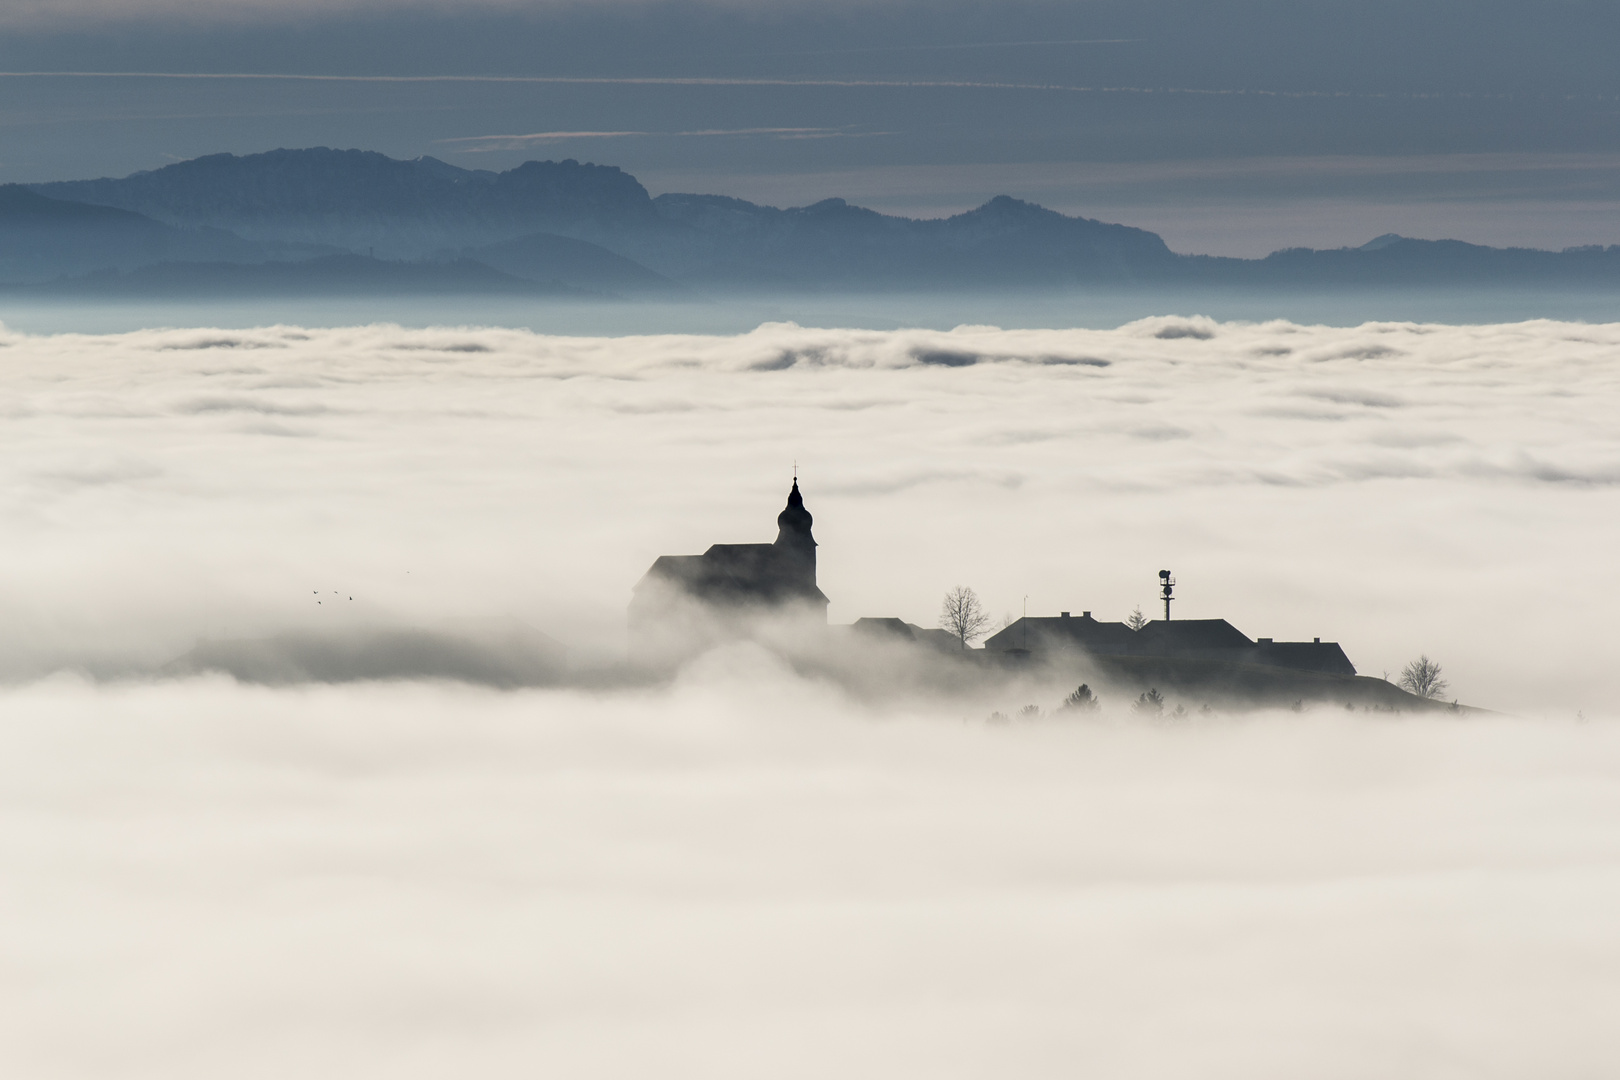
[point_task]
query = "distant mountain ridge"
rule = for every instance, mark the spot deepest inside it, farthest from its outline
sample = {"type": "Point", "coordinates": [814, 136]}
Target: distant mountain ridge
{"type": "Point", "coordinates": [368, 202]}
{"type": "Point", "coordinates": [360, 198]}
{"type": "Point", "coordinates": [41, 238]}
{"type": "Point", "coordinates": [591, 227]}
{"type": "Point", "coordinates": [326, 275]}
{"type": "Point", "coordinates": [1393, 259]}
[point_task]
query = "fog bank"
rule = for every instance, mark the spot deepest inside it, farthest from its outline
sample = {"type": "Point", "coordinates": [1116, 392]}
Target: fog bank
{"type": "Point", "coordinates": [749, 875]}
{"type": "Point", "coordinates": [1399, 488]}
{"type": "Point", "coordinates": [750, 872]}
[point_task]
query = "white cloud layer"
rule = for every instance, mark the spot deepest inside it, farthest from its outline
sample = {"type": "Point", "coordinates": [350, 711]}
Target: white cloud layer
{"type": "Point", "coordinates": [1398, 488]}
{"type": "Point", "coordinates": [734, 881]}
{"type": "Point", "coordinates": [748, 874]}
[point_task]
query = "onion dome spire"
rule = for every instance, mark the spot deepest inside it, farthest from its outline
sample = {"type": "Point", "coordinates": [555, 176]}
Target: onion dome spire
{"type": "Point", "coordinates": [793, 523]}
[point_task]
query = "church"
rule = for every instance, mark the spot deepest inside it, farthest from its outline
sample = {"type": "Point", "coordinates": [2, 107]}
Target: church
{"type": "Point", "coordinates": [685, 602]}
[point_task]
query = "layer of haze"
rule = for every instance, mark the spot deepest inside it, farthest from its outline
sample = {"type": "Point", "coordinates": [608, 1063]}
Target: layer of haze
{"type": "Point", "coordinates": [1399, 488]}
{"type": "Point", "coordinates": [750, 872]}
{"type": "Point", "coordinates": [749, 876]}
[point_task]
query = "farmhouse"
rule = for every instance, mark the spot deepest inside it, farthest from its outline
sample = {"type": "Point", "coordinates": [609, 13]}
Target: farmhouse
{"type": "Point", "coordinates": [1181, 639]}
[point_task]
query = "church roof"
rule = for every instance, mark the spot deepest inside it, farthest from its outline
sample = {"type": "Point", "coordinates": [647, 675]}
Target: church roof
{"type": "Point", "coordinates": [749, 573]}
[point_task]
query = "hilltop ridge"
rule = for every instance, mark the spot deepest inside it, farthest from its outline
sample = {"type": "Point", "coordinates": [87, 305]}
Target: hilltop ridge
{"type": "Point", "coordinates": [596, 227]}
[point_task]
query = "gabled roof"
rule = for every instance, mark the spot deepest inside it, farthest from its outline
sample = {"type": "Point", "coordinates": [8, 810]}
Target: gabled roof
{"type": "Point", "coordinates": [1082, 632]}
{"type": "Point", "coordinates": [1181, 634]}
{"type": "Point", "coordinates": [1202, 639]}
{"type": "Point", "coordinates": [1305, 656]}
{"type": "Point", "coordinates": [901, 630]}
{"type": "Point", "coordinates": [894, 627]}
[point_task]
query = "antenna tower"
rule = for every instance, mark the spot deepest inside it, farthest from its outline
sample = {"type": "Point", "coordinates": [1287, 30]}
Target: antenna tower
{"type": "Point", "coordinates": [1168, 584]}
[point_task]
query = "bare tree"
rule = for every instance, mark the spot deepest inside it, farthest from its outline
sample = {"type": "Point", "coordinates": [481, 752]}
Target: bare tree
{"type": "Point", "coordinates": [1422, 677]}
{"type": "Point", "coordinates": [1137, 619]}
{"type": "Point", "coordinates": [962, 615]}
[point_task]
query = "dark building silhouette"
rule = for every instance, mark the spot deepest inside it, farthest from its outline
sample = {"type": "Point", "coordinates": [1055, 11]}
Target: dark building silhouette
{"type": "Point", "coordinates": [1183, 639]}
{"type": "Point", "coordinates": [686, 601]}
{"type": "Point", "coordinates": [894, 629]}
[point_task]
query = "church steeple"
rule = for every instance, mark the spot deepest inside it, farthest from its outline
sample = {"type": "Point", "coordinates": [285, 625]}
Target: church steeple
{"type": "Point", "coordinates": [793, 523]}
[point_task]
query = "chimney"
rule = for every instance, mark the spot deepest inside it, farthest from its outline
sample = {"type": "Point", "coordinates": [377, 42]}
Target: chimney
{"type": "Point", "coordinates": [1262, 641]}
{"type": "Point", "coordinates": [1317, 640]}
{"type": "Point", "coordinates": [1085, 614]}
{"type": "Point", "coordinates": [1063, 614]}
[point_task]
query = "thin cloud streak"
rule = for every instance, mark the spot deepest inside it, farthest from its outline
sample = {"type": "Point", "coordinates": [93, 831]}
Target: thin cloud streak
{"type": "Point", "coordinates": [896, 84]}
{"type": "Point", "coordinates": [960, 45]}
{"type": "Point", "coordinates": [513, 142]}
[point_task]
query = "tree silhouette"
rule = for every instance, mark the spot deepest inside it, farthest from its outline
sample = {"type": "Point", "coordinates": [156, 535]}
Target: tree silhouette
{"type": "Point", "coordinates": [1082, 700]}
{"type": "Point", "coordinates": [962, 615]}
{"type": "Point", "coordinates": [1137, 619]}
{"type": "Point", "coordinates": [1422, 677]}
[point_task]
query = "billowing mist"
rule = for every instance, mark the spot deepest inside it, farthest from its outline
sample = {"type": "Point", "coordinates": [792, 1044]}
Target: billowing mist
{"type": "Point", "coordinates": [1400, 489]}
{"type": "Point", "coordinates": [750, 870]}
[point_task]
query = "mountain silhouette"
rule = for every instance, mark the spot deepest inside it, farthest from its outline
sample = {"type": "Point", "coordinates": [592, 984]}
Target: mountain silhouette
{"type": "Point", "coordinates": [361, 199]}
{"type": "Point", "coordinates": [1392, 259]}
{"type": "Point", "coordinates": [43, 238]}
{"type": "Point", "coordinates": [325, 276]}
{"type": "Point", "coordinates": [546, 257]}
{"type": "Point", "coordinates": [833, 244]}
{"type": "Point", "coordinates": [566, 225]}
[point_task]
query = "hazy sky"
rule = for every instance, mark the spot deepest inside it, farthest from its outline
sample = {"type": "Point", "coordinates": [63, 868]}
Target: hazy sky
{"type": "Point", "coordinates": [1235, 125]}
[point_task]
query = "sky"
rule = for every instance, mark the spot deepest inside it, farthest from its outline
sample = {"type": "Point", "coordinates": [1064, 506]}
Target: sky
{"type": "Point", "coordinates": [1232, 127]}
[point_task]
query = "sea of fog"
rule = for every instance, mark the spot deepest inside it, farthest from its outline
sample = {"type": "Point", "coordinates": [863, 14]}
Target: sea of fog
{"type": "Point", "coordinates": [751, 872]}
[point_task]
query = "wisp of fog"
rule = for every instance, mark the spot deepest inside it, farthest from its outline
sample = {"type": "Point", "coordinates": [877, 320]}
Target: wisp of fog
{"type": "Point", "coordinates": [746, 870]}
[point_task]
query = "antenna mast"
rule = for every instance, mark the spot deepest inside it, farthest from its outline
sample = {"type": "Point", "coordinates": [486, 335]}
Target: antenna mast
{"type": "Point", "coordinates": [1167, 583]}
